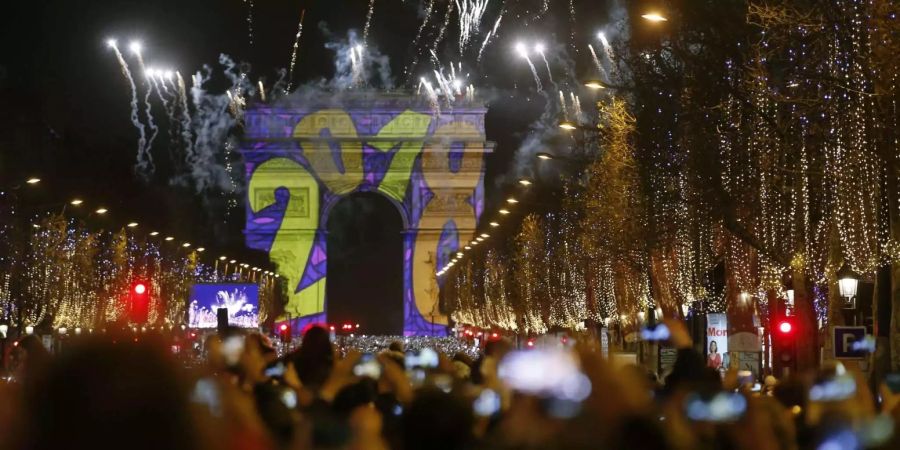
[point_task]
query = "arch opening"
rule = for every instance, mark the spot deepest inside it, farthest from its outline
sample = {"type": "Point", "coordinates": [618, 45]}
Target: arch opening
{"type": "Point", "coordinates": [365, 264]}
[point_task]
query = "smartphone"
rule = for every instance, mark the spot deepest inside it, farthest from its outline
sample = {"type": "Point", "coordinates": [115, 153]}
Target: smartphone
{"type": "Point", "coordinates": [232, 348]}
{"type": "Point", "coordinates": [551, 372]}
{"type": "Point", "coordinates": [367, 366]}
{"type": "Point", "coordinates": [425, 358]}
{"type": "Point", "coordinates": [275, 369]}
{"type": "Point", "coordinates": [722, 407]}
{"type": "Point", "coordinates": [657, 332]}
{"type": "Point", "coordinates": [206, 392]}
{"type": "Point", "coordinates": [487, 403]}
{"type": "Point", "coordinates": [834, 389]}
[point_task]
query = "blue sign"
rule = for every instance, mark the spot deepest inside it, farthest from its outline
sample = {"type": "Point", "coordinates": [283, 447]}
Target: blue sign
{"type": "Point", "coordinates": [847, 342]}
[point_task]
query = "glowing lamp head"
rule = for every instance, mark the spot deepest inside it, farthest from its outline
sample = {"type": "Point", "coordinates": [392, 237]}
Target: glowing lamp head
{"type": "Point", "coordinates": [33, 180]}
{"type": "Point", "coordinates": [525, 182]}
{"type": "Point", "coordinates": [544, 156]}
{"type": "Point", "coordinates": [283, 327]}
{"type": "Point", "coordinates": [567, 125]}
{"type": "Point", "coordinates": [594, 84]}
{"type": "Point", "coordinates": [140, 288]}
{"type": "Point", "coordinates": [785, 327]}
{"type": "Point", "coordinates": [654, 17]}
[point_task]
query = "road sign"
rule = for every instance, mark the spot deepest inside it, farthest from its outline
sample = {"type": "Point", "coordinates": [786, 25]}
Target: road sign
{"type": "Point", "coordinates": [844, 337]}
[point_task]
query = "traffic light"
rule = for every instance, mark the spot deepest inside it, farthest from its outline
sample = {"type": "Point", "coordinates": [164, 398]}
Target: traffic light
{"type": "Point", "coordinates": [140, 302]}
{"type": "Point", "coordinates": [284, 332]}
{"type": "Point", "coordinates": [784, 345]}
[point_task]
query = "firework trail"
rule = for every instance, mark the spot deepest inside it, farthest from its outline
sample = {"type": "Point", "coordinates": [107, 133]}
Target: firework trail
{"type": "Point", "coordinates": [249, 20]}
{"type": "Point", "coordinates": [262, 91]}
{"type": "Point", "coordinates": [147, 162]}
{"type": "Point", "coordinates": [562, 104]}
{"type": "Point", "coordinates": [540, 50]}
{"type": "Point", "coordinates": [144, 164]}
{"type": "Point", "coordinates": [572, 26]}
{"type": "Point", "coordinates": [491, 34]}
{"type": "Point", "coordinates": [606, 47]}
{"type": "Point", "coordinates": [470, 14]}
{"type": "Point", "coordinates": [142, 140]}
{"type": "Point", "coordinates": [294, 52]}
{"type": "Point", "coordinates": [443, 30]}
{"type": "Point", "coordinates": [524, 53]}
{"type": "Point", "coordinates": [415, 43]}
{"type": "Point", "coordinates": [596, 60]}
{"type": "Point", "coordinates": [185, 114]}
{"type": "Point", "coordinates": [369, 15]}
{"type": "Point", "coordinates": [160, 86]}
{"type": "Point", "coordinates": [576, 105]}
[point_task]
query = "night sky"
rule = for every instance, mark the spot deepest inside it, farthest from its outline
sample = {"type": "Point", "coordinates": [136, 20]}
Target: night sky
{"type": "Point", "coordinates": [64, 107]}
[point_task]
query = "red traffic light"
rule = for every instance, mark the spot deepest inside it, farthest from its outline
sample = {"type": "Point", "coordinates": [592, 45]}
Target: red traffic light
{"type": "Point", "coordinates": [785, 327]}
{"type": "Point", "coordinates": [140, 288]}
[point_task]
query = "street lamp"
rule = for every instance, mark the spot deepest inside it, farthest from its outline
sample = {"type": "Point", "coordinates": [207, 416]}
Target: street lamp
{"type": "Point", "coordinates": [654, 16]}
{"type": "Point", "coordinates": [76, 202]}
{"type": "Point", "coordinates": [848, 282]}
{"type": "Point", "coordinates": [525, 182]}
{"type": "Point", "coordinates": [595, 84]}
{"type": "Point", "coordinates": [567, 125]}
{"type": "Point", "coordinates": [544, 156]}
{"type": "Point", "coordinates": [29, 329]}
{"type": "Point", "coordinates": [33, 180]}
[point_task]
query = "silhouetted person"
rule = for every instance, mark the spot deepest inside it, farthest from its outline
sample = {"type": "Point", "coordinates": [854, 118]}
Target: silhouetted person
{"type": "Point", "coordinates": [314, 359]}
{"type": "Point", "coordinates": [103, 395]}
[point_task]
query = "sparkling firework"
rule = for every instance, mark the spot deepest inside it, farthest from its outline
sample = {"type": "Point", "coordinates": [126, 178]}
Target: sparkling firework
{"type": "Point", "coordinates": [415, 44]}
{"type": "Point", "coordinates": [491, 34]}
{"type": "Point", "coordinates": [443, 30]}
{"type": "Point", "coordinates": [142, 139]}
{"type": "Point", "coordinates": [572, 26]}
{"type": "Point", "coordinates": [470, 14]}
{"type": "Point", "coordinates": [369, 15]}
{"type": "Point", "coordinates": [249, 20]}
{"type": "Point", "coordinates": [576, 105]}
{"type": "Point", "coordinates": [539, 48]}
{"type": "Point", "coordinates": [596, 60]}
{"type": "Point", "coordinates": [144, 164]}
{"type": "Point", "coordinates": [523, 52]}
{"type": "Point", "coordinates": [562, 105]}
{"type": "Point", "coordinates": [294, 52]}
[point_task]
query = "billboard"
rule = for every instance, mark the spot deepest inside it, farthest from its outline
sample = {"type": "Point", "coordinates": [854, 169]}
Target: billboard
{"type": "Point", "coordinates": [717, 341]}
{"type": "Point", "coordinates": [241, 301]}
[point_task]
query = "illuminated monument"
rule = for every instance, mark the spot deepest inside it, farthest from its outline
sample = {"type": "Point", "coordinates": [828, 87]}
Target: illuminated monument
{"type": "Point", "coordinates": [304, 156]}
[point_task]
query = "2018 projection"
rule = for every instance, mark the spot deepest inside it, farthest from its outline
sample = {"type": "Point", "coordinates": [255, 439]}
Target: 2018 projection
{"type": "Point", "coordinates": [302, 157]}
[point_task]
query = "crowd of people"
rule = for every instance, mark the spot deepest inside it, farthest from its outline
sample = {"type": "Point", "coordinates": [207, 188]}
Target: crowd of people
{"type": "Point", "coordinates": [107, 392]}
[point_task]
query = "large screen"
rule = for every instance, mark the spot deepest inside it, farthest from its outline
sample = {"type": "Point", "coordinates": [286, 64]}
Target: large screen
{"type": "Point", "coordinates": [241, 301]}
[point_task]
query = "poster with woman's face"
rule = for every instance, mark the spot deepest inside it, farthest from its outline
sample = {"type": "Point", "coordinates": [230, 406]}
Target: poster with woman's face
{"type": "Point", "coordinates": [716, 340]}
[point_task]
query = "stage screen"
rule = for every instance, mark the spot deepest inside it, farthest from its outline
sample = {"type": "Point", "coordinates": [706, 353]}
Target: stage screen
{"type": "Point", "coordinates": [241, 301]}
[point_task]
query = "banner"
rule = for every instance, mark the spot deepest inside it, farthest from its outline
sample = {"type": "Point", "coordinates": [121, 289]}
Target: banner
{"type": "Point", "coordinates": [717, 341]}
